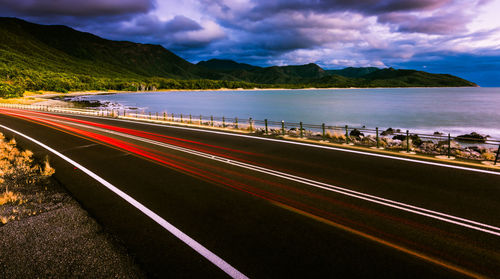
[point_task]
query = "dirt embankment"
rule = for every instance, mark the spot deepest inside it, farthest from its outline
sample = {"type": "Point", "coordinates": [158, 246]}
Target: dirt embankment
{"type": "Point", "coordinates": [44, 233]}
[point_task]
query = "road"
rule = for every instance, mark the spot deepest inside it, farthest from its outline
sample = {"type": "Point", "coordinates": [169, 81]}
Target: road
{"type": "Point", "coordinates": [270, 209]}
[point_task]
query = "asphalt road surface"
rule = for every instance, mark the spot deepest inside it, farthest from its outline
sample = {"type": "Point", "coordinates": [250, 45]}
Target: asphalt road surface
{"type": "Point", "coordinates": [269, 209]}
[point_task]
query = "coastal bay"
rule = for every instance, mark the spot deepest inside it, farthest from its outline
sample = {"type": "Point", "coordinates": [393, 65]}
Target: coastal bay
{"type": "Point", "coordinates": [425, 110]}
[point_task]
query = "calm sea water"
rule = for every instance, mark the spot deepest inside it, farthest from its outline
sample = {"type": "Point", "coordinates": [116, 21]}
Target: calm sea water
{"type": "Point", "coordinates": [448, 110]}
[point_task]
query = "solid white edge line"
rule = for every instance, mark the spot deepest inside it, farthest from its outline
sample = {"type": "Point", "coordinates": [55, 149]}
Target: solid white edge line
{"type": "Point", "coordinates": [355, 194]}
{"type": "Point", "coordinates": [216, 260]}
{"type": "Point", "coordinates": [166, 125]}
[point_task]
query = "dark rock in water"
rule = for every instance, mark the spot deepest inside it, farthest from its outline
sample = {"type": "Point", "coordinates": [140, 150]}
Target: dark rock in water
{"type": "Point", "coordinates": [356, 133]}
{"type": "Point", "coordinates": [399, 137]}
{"type": "Point", "coordinates": [79, 103]}
{"type": "Point", "coordinates": [472, 137]}
{"type": "Point", "coordinates": [415, 139]}
{"type": "Point", "coordinates": [389, 131]}
{"type": "Point", "coordinates": [437, 133]}
{"type": "Point", "coordinates": [474, 147]}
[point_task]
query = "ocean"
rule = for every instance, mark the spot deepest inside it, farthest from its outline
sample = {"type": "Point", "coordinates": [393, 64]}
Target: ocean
{"type": "Point", "coordinates": [421, 110]}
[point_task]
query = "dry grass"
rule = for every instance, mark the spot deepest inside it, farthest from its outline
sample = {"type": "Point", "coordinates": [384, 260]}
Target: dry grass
{"type": "Point", "coordinates": [22, 101]}
{"type": "Point", "coordinates": [489, 156]}
{"type": "Point", "coordinates": [18, 172]}
{"type": "Point", "coordinates": [10, 197]}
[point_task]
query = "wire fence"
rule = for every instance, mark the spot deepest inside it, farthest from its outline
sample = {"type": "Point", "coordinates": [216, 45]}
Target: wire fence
{"type": "Point", "coordinates": [472, 147]}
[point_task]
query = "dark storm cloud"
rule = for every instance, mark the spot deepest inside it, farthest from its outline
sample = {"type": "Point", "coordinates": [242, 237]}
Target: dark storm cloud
{"type": "Point", "coordinates": [441, 24]}
{"type": "Point", "coordinates": [370, 7]}
{"type": "Point", "coordinates": [150, 26]}
{"type": "Point", "coordinates": [182, 23]}
{"type": "Point", "coordinates": [179, 33]}
{"type": "Point", "coordinates": [406, 16]}
{"type": "Point", "coordinates": [85, 8]}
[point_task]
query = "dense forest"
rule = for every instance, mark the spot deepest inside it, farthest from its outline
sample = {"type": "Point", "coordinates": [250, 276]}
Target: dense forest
{"type": "Point", "coordinates": [57, 58]}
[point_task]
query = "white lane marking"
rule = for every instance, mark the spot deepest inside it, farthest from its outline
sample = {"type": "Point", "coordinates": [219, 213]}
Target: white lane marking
{"type": "Point", "coordinates": [216, 260]}
{"type": "Point", "coordinates": [298, 143]}
{"type": "Point", "coordinates": [344, 191]}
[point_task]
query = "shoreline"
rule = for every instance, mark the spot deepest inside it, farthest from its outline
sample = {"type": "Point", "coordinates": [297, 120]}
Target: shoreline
{"type": "Point", "coordinates": [48, 94]}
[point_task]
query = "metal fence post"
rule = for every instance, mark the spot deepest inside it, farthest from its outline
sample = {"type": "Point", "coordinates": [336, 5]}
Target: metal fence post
{"type": "Point", "coordinates": [190, 119]}
{"type": "Point", "coordinates": [407, 141]}
{"type": "Point", "coordinates": [496, 158]}
{"type": "Point", "coordinates": [201, 121]}
{"type": "Point", "coordinates": [149, 115]}
{"type": "Point", "coordinates": [449, 145]}
{"type": "Point", "coordinates": [181, 117]}
{"type": "Point", "coordinates": [223, 122]}
{"type": "Point", "coordinates": [301, 130]}
{"type": "Point", "coordinates": [250, 123]}
{"type": "Point", "coordinates": [211, 120]}
{"type": "Point", "coordinates": [157, 116]}
{"type": "Point", "coordinates": [236, 122]}
{"type": "Point", "coordinates": [323, 129]}
{"type": "Point", "coordinates": [377, 138]}
{"type": "Point", "coordinates": [265, 121]}
{"type": "Point", "coordinates": [283, 127]}
{"type": "Point", "coordinates": [346, 134]}
{"type": "Point", "coordinates": [173, 117]}
{"type": "Point", "coordinates": [164, 116]}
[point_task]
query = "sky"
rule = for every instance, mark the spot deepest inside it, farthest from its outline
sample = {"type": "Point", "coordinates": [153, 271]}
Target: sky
{"type": "Point", "coordinates": [459, 37]}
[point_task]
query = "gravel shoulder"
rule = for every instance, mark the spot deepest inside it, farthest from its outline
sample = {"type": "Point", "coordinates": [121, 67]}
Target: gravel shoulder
{"type": "Point", "coordinates": [44, 232]}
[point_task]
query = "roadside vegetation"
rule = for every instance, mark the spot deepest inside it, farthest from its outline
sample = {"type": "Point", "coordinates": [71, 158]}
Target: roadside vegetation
{"type": "Point", "coordinates": [22, 182]}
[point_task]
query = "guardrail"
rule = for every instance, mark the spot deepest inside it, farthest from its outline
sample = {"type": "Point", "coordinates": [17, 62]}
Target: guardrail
{"type": "Point", "coordinates": [444, 146]}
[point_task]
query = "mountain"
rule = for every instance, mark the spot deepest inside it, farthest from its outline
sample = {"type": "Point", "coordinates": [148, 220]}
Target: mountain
{"type": "Point", "coordinates": [60, 48]}
{"type": "Point", "coordinates": [410, 77]}
{"type": "Point", "coordinates": [269, 75]}
{"type": "Point", "coordinates": [353, 72]}
{"type": "Point", "coordinates": [225, 65]}
{"type": "Point", "coordinates": [390, 77]}
{"type": "Point", "coordinates": [59, 58]}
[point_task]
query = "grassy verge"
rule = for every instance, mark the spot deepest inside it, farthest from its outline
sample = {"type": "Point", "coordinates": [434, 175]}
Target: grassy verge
{"type": "Point", "coordinates": [22, 182]}
{"type": "Point", "coordinates": [21, 101]}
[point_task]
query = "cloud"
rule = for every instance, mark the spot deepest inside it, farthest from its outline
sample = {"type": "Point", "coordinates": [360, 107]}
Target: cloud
{"type": "Point", "coordinates": [441, 24]}
{"type": "Point", "coordinates": [265, 8]}
{"type": "Point", "coordinates": [201, 37]}
{"type": "Point", "coordinates": [76, 8]}
{"type": "Point", "coordinates": [182, 23]}
{"type": "Point", "coordinates": [177, 33]}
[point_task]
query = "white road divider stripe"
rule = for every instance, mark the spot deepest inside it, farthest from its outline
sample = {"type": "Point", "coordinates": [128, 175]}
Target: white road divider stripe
{"type": "Point", "coordinates": [297, 143]}
{"type": "Point", "coordinates": [216, 260]}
